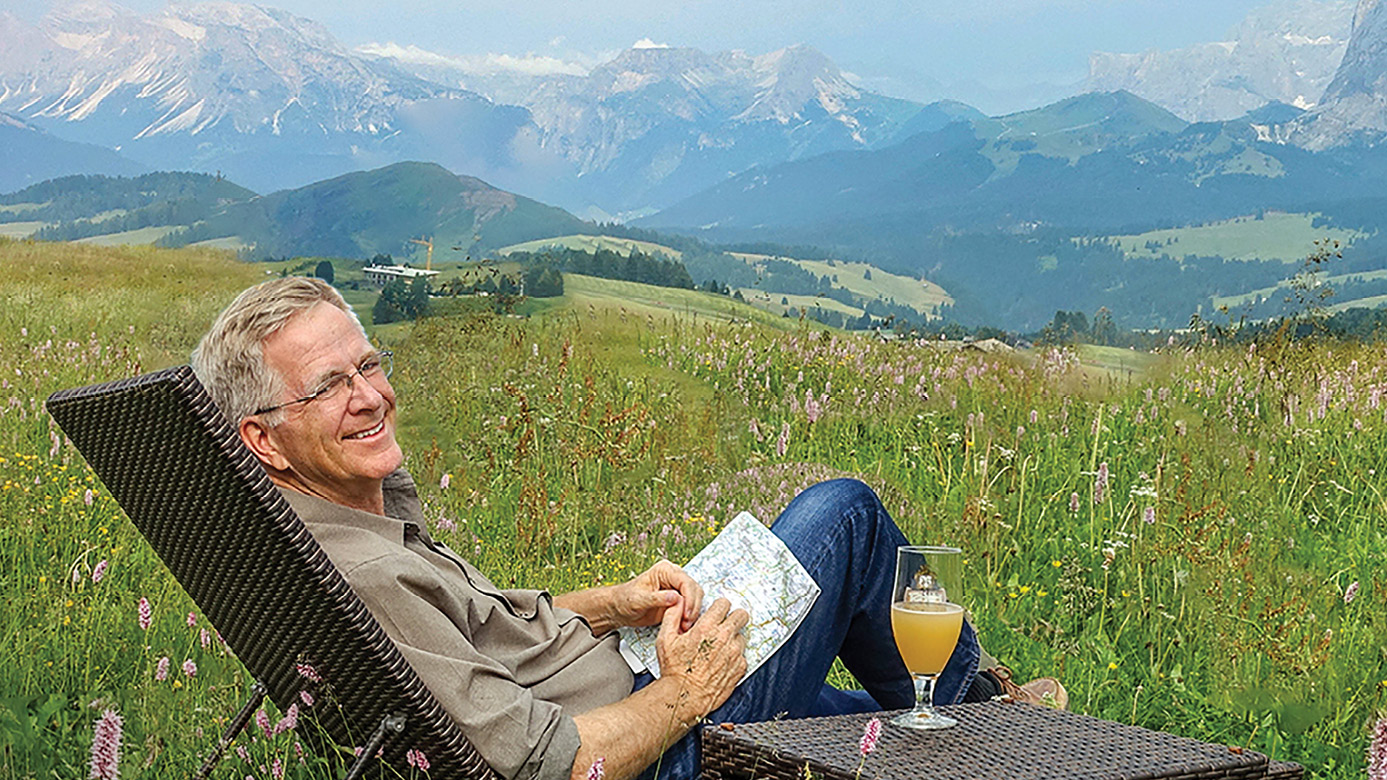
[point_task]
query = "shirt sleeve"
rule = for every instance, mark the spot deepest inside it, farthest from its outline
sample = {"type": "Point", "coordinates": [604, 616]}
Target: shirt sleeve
{"type": "Point", "coordinates": [519, 736]}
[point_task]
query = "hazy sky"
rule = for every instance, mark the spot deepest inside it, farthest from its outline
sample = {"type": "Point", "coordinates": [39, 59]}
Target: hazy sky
{"type": "Point", "coordinates": [978, 48]}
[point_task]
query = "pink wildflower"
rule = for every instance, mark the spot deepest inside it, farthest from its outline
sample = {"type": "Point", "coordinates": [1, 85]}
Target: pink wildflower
{"type": "Point", "coordinates": [243, 753]}
{"type": "Point", "coordinates": [263, 721]}
{"type": "Point", "coordinates": [307, 672]}
{"type": "Point", "coordinates": [1074, 503]}
{"type": "Point", "coordinates": [99, 571]}
{"type": "Point", "coordinates": [277, 769]}
{"type": "Point", "coordinates": [189, 668]}
{"type": "Point", "coordinates": [306, 698]}
{"type": "Point", "coordinates": [812, 408]}
{"type": "Point", "coordinates": [146, 614]}
{"type": "Point", "coordinates": [445, 481]}
{"type": "Point", "coordinates": [1377, 751]}
{"type": "Point", "coordinates": [161, 669]}
{"type": "Point", "coordinates": [597, 770]}
{"type": "Point", "coordinates": [192, 619]}
{"type": "Point", "coordinates": [290, 721]}
{"type": "Point", "coordinates": [1149, 515]}
{"type": "Point", "coordinates": [106, 746]}
{"type": "Point", "coordinates": [417, 759]}
{"type": "Point", "coordinates": [1351, 592]}
{"type": "Point", "coordinates": [204, 637]}
{"type": "Point", "coordinates": [782, 443]}
{"type": "Point", "coordinates": [870, 734]}
{"type": "Point", "coordinates": [88, 497]}
{"type": "Point", "coordinates": [1100, 484]}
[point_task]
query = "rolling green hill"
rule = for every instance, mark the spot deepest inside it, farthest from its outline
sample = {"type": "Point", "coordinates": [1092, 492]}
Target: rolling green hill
{"type": "Point", "coordinates": [869, 281]}
{"type": "Point", "coordinates": [361, 214]}
{"type": "Point", "coordinates": [115, 210]}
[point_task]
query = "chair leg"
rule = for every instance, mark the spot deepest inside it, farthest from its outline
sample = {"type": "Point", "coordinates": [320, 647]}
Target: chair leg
{"type": "Point", "coordinates": [233, 729]}
{"type": "Point", "coordinates": [393, 724]}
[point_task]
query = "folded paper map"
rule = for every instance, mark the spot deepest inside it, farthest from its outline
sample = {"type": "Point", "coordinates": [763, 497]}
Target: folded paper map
{"type": "Point", "coordinates": [752, 568]}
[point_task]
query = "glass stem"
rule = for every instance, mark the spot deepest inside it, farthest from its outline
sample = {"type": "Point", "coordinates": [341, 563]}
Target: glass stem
{"type": "Point", "coordinates": [924, 692]}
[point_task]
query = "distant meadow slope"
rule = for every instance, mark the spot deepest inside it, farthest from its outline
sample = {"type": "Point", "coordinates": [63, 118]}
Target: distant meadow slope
{"type": "Point", "coordinates": [1191, 540]}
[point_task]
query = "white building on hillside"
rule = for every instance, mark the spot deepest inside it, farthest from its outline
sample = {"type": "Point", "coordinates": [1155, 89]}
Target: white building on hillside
{"type": "Point", "coordinates": [380, 274]}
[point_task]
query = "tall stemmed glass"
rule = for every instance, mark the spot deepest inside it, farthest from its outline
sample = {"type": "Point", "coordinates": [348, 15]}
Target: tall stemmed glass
{"type": "Point", "coordinates": [926, 619]}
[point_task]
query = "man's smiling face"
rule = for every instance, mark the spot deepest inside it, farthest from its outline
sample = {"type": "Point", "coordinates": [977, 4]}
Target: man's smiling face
{"type": "Point", "coordinates": [339, 448]}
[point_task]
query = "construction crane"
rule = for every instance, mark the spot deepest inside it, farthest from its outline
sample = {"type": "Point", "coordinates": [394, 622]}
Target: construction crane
{"type": "Point", "coordinates": [428, 262]}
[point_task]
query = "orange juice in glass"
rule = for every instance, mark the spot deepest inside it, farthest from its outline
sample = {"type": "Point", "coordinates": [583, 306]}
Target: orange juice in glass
{"type": "Point", "coordinates": [926, 622]}
{"type": "Point", "coordinates": [926, 633]}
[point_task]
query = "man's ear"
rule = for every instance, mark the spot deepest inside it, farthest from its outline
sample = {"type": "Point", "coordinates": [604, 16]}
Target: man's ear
{"type": "Point", "coordinates": [259, 440]}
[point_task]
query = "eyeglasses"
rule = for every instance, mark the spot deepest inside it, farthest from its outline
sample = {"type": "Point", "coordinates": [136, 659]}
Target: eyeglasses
{"type": "Point", "coordinates": [377, 366]}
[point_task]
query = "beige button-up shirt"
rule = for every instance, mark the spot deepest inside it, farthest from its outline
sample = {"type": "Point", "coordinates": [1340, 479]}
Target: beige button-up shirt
{"type": "Point", "coordinates": [509, 667]}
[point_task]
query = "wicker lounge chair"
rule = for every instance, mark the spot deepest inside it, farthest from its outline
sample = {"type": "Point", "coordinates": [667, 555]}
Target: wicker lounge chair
{"type": "Point", "coordinates": [201, 499]}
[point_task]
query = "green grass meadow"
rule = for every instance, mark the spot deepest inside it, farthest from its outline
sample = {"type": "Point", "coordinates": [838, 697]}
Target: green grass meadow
{"type": "Point", "coordinates": [1192, 541]}
{"type": "Point", "coordinates": [1277, 236]}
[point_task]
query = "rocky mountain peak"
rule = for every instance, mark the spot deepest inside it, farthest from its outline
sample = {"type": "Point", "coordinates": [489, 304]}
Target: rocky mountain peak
{"type": "Point", "coordinates": [1285, 52]}
{"type": "Point", "coordinates": [1364, 64]}
{"type": "Point", "coordinates": [792, 78]}
{"type": "Point", "coordinates": [1354, 108]}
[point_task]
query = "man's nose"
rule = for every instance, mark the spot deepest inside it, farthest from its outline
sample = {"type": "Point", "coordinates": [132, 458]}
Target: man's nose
{"type": "Point", "coordinates": [363, 393]}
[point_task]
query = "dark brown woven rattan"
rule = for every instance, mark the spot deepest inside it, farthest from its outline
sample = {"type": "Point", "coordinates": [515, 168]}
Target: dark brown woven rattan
{"type": "Point", "coordinates": [993, 741]}
{"type": "Point", "coordinates": [201, 499]}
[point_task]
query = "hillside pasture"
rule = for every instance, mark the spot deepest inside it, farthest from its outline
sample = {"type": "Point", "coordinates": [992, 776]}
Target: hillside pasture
{"type": "Point", "coordinates": [146, 235]}
{"type": "Point", "coordinates": [1276, 237]}
{"type": "Point", "coordinates": [229, 243]}
{"type": "Point", "coordinates": [8, 210]}
{"type": "Point", "coordinates": [590, 244]}
{"type": "Point", "coordinates": [642, 300]}
{"type": "Point", "coordinates": [1284, 288]}
{"type": "Point", "coordinates": [20, 229]}
{"type": "Point", "coordinates": [772, 302]}
{"type": "Point", "coordinates": [919, 294]}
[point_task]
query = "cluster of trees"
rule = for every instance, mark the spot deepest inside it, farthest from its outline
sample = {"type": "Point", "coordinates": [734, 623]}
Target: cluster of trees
{"type": "Point", "coordinates": [535, 281]}
{"type": "Point", "coordinates": [402, 301]}
{"type": "Point", "coordinates": [1071, 326]}
{"type": "Point", "coordinates": [609, 264]}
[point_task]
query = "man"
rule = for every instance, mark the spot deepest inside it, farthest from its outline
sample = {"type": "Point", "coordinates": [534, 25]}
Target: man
{"type": "Point", "coordinates": [536, 682]}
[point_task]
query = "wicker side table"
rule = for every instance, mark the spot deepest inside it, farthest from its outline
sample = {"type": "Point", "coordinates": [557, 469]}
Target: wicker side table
{"type": "Point", "coordinates": [992, 740]}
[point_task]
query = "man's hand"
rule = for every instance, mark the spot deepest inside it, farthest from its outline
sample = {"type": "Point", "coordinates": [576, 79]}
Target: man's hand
{"type": "Point", "coordinates": [641, 601]}
{"type": "Point", "coordinates": [706, 661]}
{"type": "Point", "coordinates": [698, 670]}
{"type": "Point", "coordinates": [644, 600]}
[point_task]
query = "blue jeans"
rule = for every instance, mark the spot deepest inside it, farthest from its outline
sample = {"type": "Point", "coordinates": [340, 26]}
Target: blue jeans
{"type": "Point", "coordinates": [847, 541]}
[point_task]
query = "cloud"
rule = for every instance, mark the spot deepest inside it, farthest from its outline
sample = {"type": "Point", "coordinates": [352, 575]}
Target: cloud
{"type": "Point", "coordinates": [529, 64]}
{"type": "Point", "coordinates": [646, 43]}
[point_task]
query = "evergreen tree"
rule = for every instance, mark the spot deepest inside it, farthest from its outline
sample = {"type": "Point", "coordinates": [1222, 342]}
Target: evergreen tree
{"type": "Point", "coordinates": [324, 271]}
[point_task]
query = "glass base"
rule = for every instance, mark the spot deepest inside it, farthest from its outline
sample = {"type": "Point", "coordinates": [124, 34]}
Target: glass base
{"type": "Point", "coordinates": [923, 720]}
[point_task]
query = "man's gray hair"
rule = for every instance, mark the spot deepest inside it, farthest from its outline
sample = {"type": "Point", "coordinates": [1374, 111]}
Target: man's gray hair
{"type": "Point", "coordinates": [230, 358]}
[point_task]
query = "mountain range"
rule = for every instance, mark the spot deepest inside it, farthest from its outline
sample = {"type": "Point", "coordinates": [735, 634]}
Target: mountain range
{"type": "Point", "coordinates": [274, 101]}
{"type": "Point", "coordinates": [657, 124]}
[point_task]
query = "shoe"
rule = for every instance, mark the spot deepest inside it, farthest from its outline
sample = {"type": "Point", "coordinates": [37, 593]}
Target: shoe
{"type": "Point", "coordinates": [1042, 691]}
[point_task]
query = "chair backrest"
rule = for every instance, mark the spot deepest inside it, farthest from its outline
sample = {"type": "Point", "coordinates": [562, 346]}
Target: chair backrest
{"type": "Point", "coordinates": [182, 475]}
